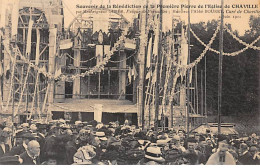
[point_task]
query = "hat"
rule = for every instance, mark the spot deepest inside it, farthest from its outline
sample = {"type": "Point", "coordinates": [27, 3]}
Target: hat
{"type": "Point", "coordinates": [24, 125]}
{"type": "Point", "coordinates": [10, 160]}
{"type": "Point", "coordinates": [64, 126]}
{"type": "Point", "coordinates": [101, 136]}
{"type": "Point", "coordinates": [100, 125]}
{"type": "Point", "coordinates": [28, 135]}
{"type": "Point", "coordinates": [33, 127]}
{"type": "Point", "coordinates": [154, 153]}
{"type": "Point", "coordinates": [163, 141]}
{"type": "Point", "coordinates": [7, 129]}
{"type": "Point", "coordinates": [78, 122]}
{"type": "Point", "coordinates": [176, 137]}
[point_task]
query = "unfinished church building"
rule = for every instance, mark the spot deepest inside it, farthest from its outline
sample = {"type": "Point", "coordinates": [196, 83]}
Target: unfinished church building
{"type": "Point", "coordinates": [44, 49]}
{"type": "Point", "coordinates": [94, 69]}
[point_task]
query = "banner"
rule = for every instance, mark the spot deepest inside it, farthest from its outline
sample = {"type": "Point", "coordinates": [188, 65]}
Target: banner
{"type": "Point", "coordinates": [149, 52]}
{"type": "Point", "coordinates": [99, 53]}
{"type": "Point", "coordinates": [15, 16]}
{"type": "Point", "coordinates": [134, 72]}
{"type": "Point", "coordinates": [130, 74]}
{"type": "Point", "coordinates": [66, 44]}
{"type": "Point", "coordinates": [29, 38]}
{"type": "Point", "coordinates": [98, 108]}
{"type": "Point", "coordinates": [37, 56]}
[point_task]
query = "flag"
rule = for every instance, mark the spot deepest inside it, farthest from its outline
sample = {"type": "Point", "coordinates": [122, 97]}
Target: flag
{"type": "Point", "coordinates": [3, 13]}
{"type": "Point", "coordinates": [15, 16]}
{"type": "Point", "coordinates": [130, 74]}
{"type": "Point", "coordinates": [156, 40]}
{"type": "Point", "coordinates": [99, 53]}
{"type": "Point", "coordinates": [149, 52]}
{"type": "Point", "coordinates": [154, 76]}
{"type": "Point", "coordinates": [43, 69]}
{"type": "Point", "coordinates": [148, 75]}
{"type": "Point", "coordinates": [29, 37]}
{"type": "Point", "coordinates": [1, 69]}
{"type": "Point", "coordinates": [100, 37]}
{"type": "Point", "coordinates": [37, 57]}
{"type": "Point", "coordinates": [57, 73]}
{"type": "Point", "coordinates": [184, 49]}
{"type": "Point", "coordinates": [134, 72]}
{"type": "Point", "coordinates": [190, 75]}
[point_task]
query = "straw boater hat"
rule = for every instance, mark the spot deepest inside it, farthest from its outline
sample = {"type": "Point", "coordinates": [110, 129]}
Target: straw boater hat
{"type": "Point", "coordinates": [154, 153]}
{"type": "Point", "coordinates": [101, 136]}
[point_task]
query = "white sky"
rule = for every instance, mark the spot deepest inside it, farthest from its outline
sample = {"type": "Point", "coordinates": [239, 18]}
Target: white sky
{"type": "Point", "coordinates": [240, 24]}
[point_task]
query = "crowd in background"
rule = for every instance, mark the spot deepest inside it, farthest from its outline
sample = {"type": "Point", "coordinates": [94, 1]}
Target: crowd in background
{"type": "Point", "coordinates": [60, 143]}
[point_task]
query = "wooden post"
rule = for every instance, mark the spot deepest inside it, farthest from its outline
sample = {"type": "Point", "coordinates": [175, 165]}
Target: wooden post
{"type": "Point", "coordinates": [157, 88]}
{"type": "Point", "coordinates": [205, 101]}
{"type": "Point", "coordinates": [220, 67]}
{"type": "Point", "coordinates": [188, 74]}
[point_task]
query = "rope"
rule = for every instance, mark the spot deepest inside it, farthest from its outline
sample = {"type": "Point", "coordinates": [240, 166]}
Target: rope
{"type": "Point", "coordinates": [241, 41]}
{"type": "Point", "coordinates": [227, 54]}
{"type": "Point", "coordinates": [66, 54]}
{"type": "Point", "coordinates": [207, 47]}
{"type": "Point", "coordinates": [90, 71]}
{"type": "Point", "coordinates": [124, 59]}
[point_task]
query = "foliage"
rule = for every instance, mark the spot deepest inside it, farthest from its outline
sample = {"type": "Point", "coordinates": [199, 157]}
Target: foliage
{"type": "Point", "coordinates": [240, 91]}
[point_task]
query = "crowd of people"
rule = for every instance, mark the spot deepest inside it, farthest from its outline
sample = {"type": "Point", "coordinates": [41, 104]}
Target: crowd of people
{"type": "Point", "coordinates": [85, 143]}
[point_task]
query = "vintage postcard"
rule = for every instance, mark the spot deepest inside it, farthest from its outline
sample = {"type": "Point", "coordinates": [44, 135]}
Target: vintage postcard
{"type": "Point", "coordinates": [137, 82]}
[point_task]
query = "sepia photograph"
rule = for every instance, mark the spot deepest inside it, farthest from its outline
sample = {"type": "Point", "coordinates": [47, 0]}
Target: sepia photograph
{"type": "Point", "coordinates": [137, 82]}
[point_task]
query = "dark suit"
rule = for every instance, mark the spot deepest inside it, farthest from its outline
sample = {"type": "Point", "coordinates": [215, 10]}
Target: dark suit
{"type": "Point", "coordinates": [27, 160]}
{"type": "Point", "coordinates": [246, 159]}
{"type": "Point", "coordinates": [17, 150]}
{"type": "Point", "coordinates": [7, 148]}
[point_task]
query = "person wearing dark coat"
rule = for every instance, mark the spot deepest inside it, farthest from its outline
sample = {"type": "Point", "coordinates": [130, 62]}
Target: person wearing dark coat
{"type": "Point", "coordinates": [4, 148]}
{"type": "Point", "coordinates": [31, 155]}
{"type": "Point", "coordinates": [17, 150]}
{"type": "Point", "coordinates": [245, 157]}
